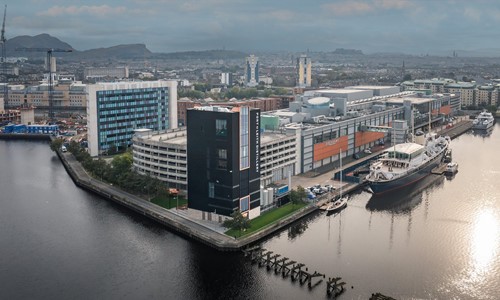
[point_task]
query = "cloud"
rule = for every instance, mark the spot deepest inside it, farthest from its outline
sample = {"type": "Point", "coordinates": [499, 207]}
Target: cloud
{"type": "Point", "coordinates": [363, 7]}
{"type": "Point", "coordinates": [281, 15]}
{"type": "Point", "coordinates": [349, 8]}
{"type": "Point", "coordinates": [102, 10]}
{"type": "Point", "coordinates": [472, 14]}
{"type": "Point", "coordinates": [393, 4]}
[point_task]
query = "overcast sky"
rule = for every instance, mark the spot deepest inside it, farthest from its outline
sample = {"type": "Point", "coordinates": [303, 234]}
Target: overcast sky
{"type": "Point", "coordinates": [410, 26]}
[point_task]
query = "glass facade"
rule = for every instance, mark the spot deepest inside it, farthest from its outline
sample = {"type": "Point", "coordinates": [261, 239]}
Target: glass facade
{"type": "Point", "coordinates": [121, 111]}
{"type": "Point", "coordinates": [244, 138]}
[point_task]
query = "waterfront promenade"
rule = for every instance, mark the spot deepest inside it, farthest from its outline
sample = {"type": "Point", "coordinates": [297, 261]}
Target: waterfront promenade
{"type": "Point", "coordinates": [179, 222]}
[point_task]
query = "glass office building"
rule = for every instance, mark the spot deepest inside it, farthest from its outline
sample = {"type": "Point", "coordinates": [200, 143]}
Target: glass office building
{"type": "Point", "coordinates": [115, 110]}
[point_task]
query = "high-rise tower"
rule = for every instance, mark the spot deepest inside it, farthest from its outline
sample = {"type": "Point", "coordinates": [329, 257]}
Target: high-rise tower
{"type": "Point", "coordinates": [303, 71]}
{"type": "Point", "coordinates": [252, 71]}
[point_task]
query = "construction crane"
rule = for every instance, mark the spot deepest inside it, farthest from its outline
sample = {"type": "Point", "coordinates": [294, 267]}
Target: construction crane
{"type": "Point", "coordinates": [49, 69]}
{"type": "Point", "coordinates": [3, 40]}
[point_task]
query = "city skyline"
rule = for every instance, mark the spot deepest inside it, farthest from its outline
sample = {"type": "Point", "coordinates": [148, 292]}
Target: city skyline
{"type": "Point", "coordinates": [408, 26]}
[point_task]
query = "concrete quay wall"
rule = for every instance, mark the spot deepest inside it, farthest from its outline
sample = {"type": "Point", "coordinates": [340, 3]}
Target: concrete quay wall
{"type": "Point", "coordinates": [176, 222]}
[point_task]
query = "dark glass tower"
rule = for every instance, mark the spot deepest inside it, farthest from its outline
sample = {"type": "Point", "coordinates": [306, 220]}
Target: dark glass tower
{"type": "Point", "coordinates": [223, 160]}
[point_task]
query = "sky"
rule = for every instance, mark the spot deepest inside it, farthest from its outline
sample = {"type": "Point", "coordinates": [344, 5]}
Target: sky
{"type": "Point", "coordinates": [407, 26]}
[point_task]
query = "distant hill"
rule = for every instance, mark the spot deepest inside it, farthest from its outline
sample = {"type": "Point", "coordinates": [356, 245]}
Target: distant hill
{"type": "Point", "coordinates": [207, 54]}
{"type": "Point", "coordinates": [129, 51]}
{"type": "Point", "coordinates": [46, 41]}
{"type": "Point", "coordinates": [38, 41]}
{"type": "Point", "coordinates": [120, 52]}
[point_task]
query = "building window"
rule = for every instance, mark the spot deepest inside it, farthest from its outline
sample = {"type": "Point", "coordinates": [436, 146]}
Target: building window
{"type": "Point", "coordinates": [222, 153]}
{"type": "Point", "coordinates": [211, 190]}
{"type": "Point", "coordinates": [244, 138]}
{"type": "Point", "coordinates": [221, 127]}
{"type": "Point", "coordinates": [222, 159]}
{"type": "Point", "coordinates": [245, 204]}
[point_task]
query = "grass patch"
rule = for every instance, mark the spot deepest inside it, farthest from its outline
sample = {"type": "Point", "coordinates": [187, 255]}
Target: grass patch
{"type": "Point", "coordinates": [267, 218]}
{"type": "Point", "coordinates": [168, 202]}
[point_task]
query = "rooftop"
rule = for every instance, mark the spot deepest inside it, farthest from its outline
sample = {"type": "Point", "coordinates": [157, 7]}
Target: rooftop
{"type": "Point", "coordinates": [407, 148]}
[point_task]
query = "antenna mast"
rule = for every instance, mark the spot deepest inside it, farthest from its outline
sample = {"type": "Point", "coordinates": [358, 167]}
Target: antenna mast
{"type": "Point", "coordinates": [3, 40]}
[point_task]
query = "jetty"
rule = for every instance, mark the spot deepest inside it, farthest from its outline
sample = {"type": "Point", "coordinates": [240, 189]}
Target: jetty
{"type": "Point", "coordinates": [295, 270]}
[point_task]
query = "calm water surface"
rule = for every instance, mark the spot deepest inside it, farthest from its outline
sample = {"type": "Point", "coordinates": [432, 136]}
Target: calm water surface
{"type": "Point", "coordinates": [438, 240]}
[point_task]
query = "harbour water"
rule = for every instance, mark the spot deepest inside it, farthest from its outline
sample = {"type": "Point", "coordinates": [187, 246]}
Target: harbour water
{"type": "Point", "coordinates": [439, 239]}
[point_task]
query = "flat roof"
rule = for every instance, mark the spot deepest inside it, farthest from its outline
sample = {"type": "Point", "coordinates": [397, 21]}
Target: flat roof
{"type": "Point", "coordinates": [372, 87]}
{"type": "Point", "coordinates": [339, 91]}
{"type": "Point", "coordinates": [414, 100]}
{"type": "Point", "coordinates": [267, 137]}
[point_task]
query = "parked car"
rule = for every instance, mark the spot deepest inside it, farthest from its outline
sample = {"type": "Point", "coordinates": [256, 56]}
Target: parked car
{"type": "Point", "coordinates": [368, 151]}
{"type": "Point", "coordinates": [355, 156]}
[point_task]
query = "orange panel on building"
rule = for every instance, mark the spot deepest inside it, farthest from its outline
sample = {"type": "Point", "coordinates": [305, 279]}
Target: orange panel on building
{"type": "Point", "coordinates": [446, 110]}
{"type": "Point", "coordinates": [365, 137]}
{"type": "Point", "coordinates": [330, 148]}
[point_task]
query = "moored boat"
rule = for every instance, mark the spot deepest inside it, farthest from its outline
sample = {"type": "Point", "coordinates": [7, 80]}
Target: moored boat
{"type": "Point", "coordinates": [406, 163]}
{"type": "Point", "coordinates": [337, 205]}
{"type": "Point", "coordinates": [483, 121]}
{"type": "Point", "coordinates": [451, 168]}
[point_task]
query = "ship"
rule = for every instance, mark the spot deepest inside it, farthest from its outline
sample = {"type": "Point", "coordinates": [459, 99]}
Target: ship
{"type": "Point", "coordinates": [483, 121]}
{"type": "Point", "coordinates": [406, 163]}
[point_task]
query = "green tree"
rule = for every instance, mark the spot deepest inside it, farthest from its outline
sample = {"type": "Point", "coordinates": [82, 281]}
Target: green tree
{"type": "Point", "coordinates": [298, 195]}
{"type": "Point", "coordinates": [237, 222]}
{"type": "Point", "coordinates": [56, 144]}
{"type": "Point", "coordinates": [407, 77]}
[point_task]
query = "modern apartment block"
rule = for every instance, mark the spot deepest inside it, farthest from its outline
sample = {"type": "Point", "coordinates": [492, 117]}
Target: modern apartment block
{"type": "Point", "coordinates": [115, 110]}
{"type": "Point", "coordinates": [252, 71]}
{"type": "Point", "coordinates": [224, 160]}
{"type": "Point", "coordinates": [303, 67]}
{"type": "Point", "coordinates": [226, 79]}
{"type": "Point", "coordinates": [471, 94]}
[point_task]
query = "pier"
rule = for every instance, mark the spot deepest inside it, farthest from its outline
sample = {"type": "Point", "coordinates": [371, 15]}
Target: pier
{"type": "Point", "coordinates": [296, 271]}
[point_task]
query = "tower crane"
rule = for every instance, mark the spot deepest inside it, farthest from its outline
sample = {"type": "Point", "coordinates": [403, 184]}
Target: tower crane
{"type": "Point", "coordinates": [3, 40]}
{"type": "Point", "coordinates": [49, 67]}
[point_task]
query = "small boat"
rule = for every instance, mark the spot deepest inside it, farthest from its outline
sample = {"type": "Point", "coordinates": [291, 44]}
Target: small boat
{"type": "Point", "coordinates": [451, 168]}
{"type": "Point", "coordinates": [341, 202]}
{"type": "Point", "coordinates": [337, 205]}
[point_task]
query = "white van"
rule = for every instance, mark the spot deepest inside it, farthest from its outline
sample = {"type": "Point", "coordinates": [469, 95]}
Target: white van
{"type": "Point", "coordinates": [63, 148]}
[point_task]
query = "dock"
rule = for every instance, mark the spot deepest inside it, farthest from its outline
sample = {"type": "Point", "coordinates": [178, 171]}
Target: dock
{"type": "Point", "coordinates": [296, 271]}
{"type": "Point", "coordinates": [439, 170]}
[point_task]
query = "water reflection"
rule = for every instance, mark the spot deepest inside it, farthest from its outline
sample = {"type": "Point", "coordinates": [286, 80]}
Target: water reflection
{"type": "Point", "coordinates": [481, 273]}
{"type": "Point", "coordinates": [484, 243]}
{"type": "Point", "coordinates": [485, 133]}
{"type": "Point", "coordinates": [404, 200]}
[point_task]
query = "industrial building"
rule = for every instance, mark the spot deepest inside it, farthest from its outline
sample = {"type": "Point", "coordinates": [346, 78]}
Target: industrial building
{"type": "Point", "coordinates": [115, 110]}
{"type": "Point", "coordinates": [68, 97]}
